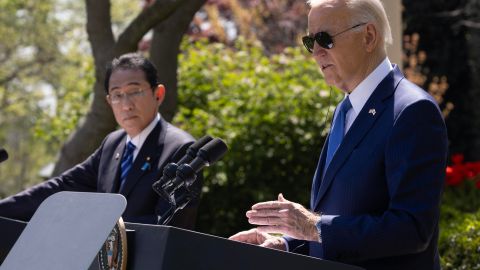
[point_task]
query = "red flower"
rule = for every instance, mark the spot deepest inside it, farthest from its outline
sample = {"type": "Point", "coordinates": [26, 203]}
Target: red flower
{"type": "Point", "coordinates": [457, 158]}
{"type": "Point", "coordinates": [454, 177]}
{"type": "Point", "coordinates": [459, 171]}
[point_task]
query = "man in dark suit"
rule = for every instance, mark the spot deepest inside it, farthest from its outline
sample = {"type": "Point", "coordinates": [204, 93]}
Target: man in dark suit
{"type": "Point", "coordinates": [376, 192]}
{"type": "Point", "coordinates": [129, 160]}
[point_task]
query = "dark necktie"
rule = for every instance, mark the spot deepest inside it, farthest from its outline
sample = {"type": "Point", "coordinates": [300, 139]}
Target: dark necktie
{"type": "Point", "coordinates": [127, 162]}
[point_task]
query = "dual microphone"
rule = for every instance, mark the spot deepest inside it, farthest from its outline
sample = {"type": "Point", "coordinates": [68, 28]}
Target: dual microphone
{"type": "Point", "coordinates": [174, 185]}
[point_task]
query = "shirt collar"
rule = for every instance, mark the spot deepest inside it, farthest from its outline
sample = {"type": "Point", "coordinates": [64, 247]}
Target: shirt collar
{"type": "Point", "coordinates": [142, 136]}
{"type": "Point", "coordinates": [364, 90]}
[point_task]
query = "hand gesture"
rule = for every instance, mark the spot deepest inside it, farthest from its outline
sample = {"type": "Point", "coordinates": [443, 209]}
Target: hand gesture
{"type": "Point", "coordinates": [285, 217]}
{"type": "Point", "coordinates": [253, 236]}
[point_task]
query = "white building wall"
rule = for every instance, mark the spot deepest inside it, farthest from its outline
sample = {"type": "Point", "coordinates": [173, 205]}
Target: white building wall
{"type": "Point", "coordinates": [394, 13]}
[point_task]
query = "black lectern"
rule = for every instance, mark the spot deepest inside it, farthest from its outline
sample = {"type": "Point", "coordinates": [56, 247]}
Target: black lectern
{"type": "Point", "coordinates": [69, 228]}
{"type": "Point", "coordinates": [166, 248]}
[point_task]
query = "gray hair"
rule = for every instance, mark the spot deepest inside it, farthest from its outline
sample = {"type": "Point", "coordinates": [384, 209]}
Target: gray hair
{"type": "Point", "coordinates": [366, 11]}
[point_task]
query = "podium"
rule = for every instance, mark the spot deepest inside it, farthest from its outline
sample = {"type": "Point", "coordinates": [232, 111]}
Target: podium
{"type": "Point", "coordinates": [167, 248]}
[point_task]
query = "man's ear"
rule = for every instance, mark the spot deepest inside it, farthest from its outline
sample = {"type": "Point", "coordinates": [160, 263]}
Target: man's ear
{"type": "Point", "coordinates": [371, 37]}
{"type": "Point", "coordinates": [160, 93]}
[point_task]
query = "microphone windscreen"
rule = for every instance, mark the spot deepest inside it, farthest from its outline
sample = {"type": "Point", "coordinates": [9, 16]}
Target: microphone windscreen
{"type": "Point", "coordinates": [3, 155]}
{"type": "Point", "coordinates": [200, 142]}
{"type": "Point", "coordinates": [214, 150]}
{"type": "Point", "coordinates": [193, 149]}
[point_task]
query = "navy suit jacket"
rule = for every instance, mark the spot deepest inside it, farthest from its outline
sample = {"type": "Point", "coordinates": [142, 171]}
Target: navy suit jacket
{"type": "Point", "coordinates": [380, 196]}
{"type": "Point", "coordinates": [101, 173]}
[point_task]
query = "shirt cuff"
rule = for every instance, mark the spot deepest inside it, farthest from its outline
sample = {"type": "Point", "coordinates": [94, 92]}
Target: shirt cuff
{"type": "Point", "coordinates": [287, 249]}
{"type": "Point", "coordinates": [319, 229]}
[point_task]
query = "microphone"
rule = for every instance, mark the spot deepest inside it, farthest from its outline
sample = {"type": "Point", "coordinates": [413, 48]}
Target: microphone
{"type": "Point", "coordinates": [177, 192]}
{"type": "Point", "coordinates": [170, 169]}
{"type": "Point", "coordinates": [3, 155]}
{"type": "Point", "coordinates": [186, 173]}
{"type": "Point", "coordinates": [193, 149]}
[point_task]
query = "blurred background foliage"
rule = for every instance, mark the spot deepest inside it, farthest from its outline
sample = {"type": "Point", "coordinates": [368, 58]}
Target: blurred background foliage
{"type": "Point", "coordinates": [459, 243]}
{"type": "Point", "coordinates": [271, 111]}
{"type": "Point", "coordinates": [243, 76]}
{"type": "Point", "coordinates": [45, 83]}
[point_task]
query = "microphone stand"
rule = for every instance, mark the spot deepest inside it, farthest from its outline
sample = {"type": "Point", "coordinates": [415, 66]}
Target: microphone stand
{"type": "Point", "coordinates": [178, 200]}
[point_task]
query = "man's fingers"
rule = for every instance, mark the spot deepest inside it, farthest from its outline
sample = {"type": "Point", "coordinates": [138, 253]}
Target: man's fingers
{"type": "Point", "coordinates": [281, 198]}
{"type": "Point", "coordinates": [266, 221]}
{"type": "Point", "coordinates": [274, 242]}
{"type": "Point", "coordinates": [267, 213]}
{"type": "Point", "coordinates": [268, 244]}
{"type": "Point", "coordinates": [274, 229]}
{"type": "Point", "coordinates": [245, 236]}
{"type": "Point", "coordinates": [271, 205]}
{"type": "Point", "coordinates": [281, 202]}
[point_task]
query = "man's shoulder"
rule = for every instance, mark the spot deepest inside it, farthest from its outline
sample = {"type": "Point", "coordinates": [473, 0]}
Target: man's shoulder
{"type": "Point", "coordinates": [176, 141]}
{"type": "Point", "coordinates": [408, 94]}
{"type": "Point", "coordinates": [175, 134]}
{"type": "Point", "coordinates": [115, 136]}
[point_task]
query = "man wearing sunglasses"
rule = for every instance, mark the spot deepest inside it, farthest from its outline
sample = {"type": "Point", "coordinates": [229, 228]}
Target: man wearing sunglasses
{"type": "Point", "coordinates": [376, 191]}
{"type": "Point", "coordinates": [129, 160]}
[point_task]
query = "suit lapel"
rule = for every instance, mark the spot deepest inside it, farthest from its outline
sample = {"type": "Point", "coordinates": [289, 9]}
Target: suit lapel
{"type": "Point", "coordinates": [365, 120]}
{"type": "Point", "coordinates": [318, 172]}
{"type": "Point", "coordinates": [147, 157]}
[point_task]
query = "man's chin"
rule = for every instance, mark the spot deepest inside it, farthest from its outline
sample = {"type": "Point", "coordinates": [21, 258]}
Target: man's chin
{"type": "Point", "coordinates": [330, 81]}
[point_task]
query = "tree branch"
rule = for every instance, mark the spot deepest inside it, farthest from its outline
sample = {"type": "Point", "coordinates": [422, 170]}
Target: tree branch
{"type": "Point", "coordinates": [99, 30]}
{"type": "Point", "coordinates": [146, 20]}
{"type": "Point", "coordinates": [165, 54]}
{"type": "Point", "coordinates": [25, 67]}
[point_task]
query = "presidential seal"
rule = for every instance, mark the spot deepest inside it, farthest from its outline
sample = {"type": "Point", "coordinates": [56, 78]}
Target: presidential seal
{"type": "Point", "coordinates": [113, 254]}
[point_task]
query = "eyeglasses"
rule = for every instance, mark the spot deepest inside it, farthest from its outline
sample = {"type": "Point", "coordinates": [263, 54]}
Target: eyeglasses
{"type": "Point", "coordinates": [133, 96]}
{"type": "Point", "coordinates": [324, 39]}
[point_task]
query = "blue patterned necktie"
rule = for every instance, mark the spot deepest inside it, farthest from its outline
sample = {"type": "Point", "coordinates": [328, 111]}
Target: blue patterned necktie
{"type": "Point", "coordinates": [338, 131]}
{"type": "Point", "coordinates": [127, 162]}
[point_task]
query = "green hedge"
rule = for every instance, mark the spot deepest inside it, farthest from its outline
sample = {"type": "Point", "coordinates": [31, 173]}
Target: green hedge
{"type": "Point", "coordinates": [271, 111]}
{"type": "Point", "coordinates": [459, 243]}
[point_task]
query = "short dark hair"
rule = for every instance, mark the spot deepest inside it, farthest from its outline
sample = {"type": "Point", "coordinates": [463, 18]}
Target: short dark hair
{"type": "Point", "coordinates": [132, 61]}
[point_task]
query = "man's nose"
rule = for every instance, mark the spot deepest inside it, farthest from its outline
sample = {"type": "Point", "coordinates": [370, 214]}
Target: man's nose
{"type": "Point", "coordinates": [126, 102]}
{"type": "Point", "coordinates": [318, 50]}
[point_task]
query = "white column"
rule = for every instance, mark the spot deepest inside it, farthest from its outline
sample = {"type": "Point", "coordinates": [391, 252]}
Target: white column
{"type": "Point", "coordinates": [394, 13]}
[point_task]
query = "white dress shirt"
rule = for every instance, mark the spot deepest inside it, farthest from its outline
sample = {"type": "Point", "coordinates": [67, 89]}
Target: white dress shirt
{"type": "Point", "coordinates": [142, 136]}
{"type": "Point", "coordinates": [359, 96]}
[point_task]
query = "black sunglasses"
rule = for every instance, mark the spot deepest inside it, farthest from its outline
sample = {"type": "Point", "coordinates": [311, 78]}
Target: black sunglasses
{"type": "Point", "coordinates": [324, 39]}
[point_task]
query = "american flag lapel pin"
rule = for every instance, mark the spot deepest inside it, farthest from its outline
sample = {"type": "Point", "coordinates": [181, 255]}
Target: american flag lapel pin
{"type": "Point", "coordinates": [372, 112]}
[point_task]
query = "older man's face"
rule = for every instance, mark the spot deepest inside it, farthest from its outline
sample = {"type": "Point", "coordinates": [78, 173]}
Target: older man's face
{"type": "Point", "coordinates": [342, 64]}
